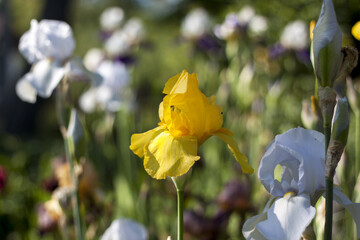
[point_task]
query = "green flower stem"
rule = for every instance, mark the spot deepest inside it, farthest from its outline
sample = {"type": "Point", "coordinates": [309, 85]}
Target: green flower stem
{"type": "Point", "coordinates": [69, 150]}
{"type": "Point", "coordinates": [357, 143]}
{"type": "Point", "coordinates": [69, 147]}
{"type": "Point", "coordinates": [180, 212]}
{"type": "Point", "coordinates": [180, 183]}
{"type": "Point", "coordinates": [328, 208]}
{"type": "Point", "coordinates": [329, 185]}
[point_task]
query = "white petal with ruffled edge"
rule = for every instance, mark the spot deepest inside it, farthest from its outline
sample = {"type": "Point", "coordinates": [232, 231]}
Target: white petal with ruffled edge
{"type": "Point", "coordinates": [287, 218]}
{"type": "Point", "coordinates": [47, 75]}
{"type": "Point", "coordinates": [47, 39]}
{"type": "Point", "coordinates": [25, 90]}
{"type": "Point", "coordinates": [301, 154]}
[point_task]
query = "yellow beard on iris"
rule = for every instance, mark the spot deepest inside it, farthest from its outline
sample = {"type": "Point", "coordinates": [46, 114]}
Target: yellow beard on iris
{"type": "Point", "coordinates": [187, 119]}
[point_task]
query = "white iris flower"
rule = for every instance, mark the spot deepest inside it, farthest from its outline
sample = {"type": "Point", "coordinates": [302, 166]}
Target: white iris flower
{"type": "Point", "coordinates": [48, 44]}
{"type": "Point", "coordinates": [290, 210]}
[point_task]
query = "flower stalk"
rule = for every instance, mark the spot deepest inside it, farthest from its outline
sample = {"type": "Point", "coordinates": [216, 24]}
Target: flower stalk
{"type": "Point", "coordinates": [180, 183]}
{"type": "Point", "coordinates": [357, 143]}
{"type": "Point", "coordinates": [69, 149]}
{"type": "Point", "coordinates": [180, 213]}
{"type": "Point", "coordinates": [327, 101]}
{"type": "Point", "coordinates": [69, 152]}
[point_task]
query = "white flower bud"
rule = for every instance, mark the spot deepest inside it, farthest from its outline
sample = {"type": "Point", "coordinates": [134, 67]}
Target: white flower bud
{"type": "Point", "coordinates": [327, 45]}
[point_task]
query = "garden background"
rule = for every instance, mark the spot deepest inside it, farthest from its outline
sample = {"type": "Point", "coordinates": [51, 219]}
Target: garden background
{"type": "Point", "coordinates": [261, 85]}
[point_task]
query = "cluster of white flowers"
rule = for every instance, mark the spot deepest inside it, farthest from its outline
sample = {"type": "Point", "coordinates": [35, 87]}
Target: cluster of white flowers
{"type": "Point", "coordinates": [123, 35]}
{"type": "Point", "coordinates": [108, 94]}
{"type": "Point", "coordinates": [236, 23]}
{"type": "Point", "coordinates": [49, 45]}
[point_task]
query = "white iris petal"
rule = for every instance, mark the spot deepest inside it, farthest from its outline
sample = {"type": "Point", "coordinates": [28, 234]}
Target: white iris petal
{"type": "Point", "coordinates": [25, 90]}
{"type": "Point", "coordinates": [125, 229]}
{"type": "Point", "coordinates": [301, 153]}
{"type": "Point", "coordinates": [287, 218]}
{"type": "Point", "coordinates": [47, 75]}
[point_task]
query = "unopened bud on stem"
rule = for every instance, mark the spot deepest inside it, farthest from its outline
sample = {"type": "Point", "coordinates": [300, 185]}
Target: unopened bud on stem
{"type": "Point", "coordinates": [326, 47]}
{"type": "Point", "coordinates": [339, 134]}
{"type": "Point", "coordinates": [327, 101]}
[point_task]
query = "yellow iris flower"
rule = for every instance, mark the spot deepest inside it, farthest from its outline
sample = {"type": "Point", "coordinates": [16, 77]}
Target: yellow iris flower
{"type": "Point", "coordinates": [187, 119]}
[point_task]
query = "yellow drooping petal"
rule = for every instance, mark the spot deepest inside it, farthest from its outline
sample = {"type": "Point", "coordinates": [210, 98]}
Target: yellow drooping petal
{"type": "Point", "coordinates": [226, 136]}
{"type": "Point", "coordinates": [170, 156]}
{"type": "Point", "coordinates": [140, 141]}
{"type": "Point", "coordinates": [356, 30]}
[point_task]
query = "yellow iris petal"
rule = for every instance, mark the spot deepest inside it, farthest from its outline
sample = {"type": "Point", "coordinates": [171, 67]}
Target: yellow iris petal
{"type": "Point", "coordinates": [169, 156]}
{"type": "Point", "coordinates": [356, 30]}
{"type": "Point", "coordinates": [140, 141]}
{"type": "Point", "coordinates": [226, 136]}
{"type": "Point", "coordinates": [181, 83]}
{"type": "Point", "coordinates": [170, 83]}
{"type": "Point", "coordinates": [186, 111]}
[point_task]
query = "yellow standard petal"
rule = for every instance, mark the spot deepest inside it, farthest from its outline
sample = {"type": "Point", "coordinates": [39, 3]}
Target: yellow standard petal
{"type": "Point", "coordinates": [226, 136]}
{"type": "Point", "coordinates": [186, 111]}
{"type": "Point", "coordinates": [140, 141]}
{"type": "Point", "coordinates": [170, 156]}
{"type": "Point", "coordinates": [181, 83]}
{"type": "Point", "coordinates": [356, 30]}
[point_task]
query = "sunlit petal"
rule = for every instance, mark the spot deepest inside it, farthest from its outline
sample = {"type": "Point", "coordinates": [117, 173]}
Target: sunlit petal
{"type": "Point", "coordinates": [47, 39]}
{"type": "Point", "coordinates": [47, 75]}
{"type": "Point", "coordinates": [287, 218]}
{"type": "Point", "coordinates": [25, 90]}
{"type": "Point", "coordinates": [169, 156]}
{"type": "Point", "coordinates": [226, 136]}
{"type": "Point", "coordinates": [140, 141]}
